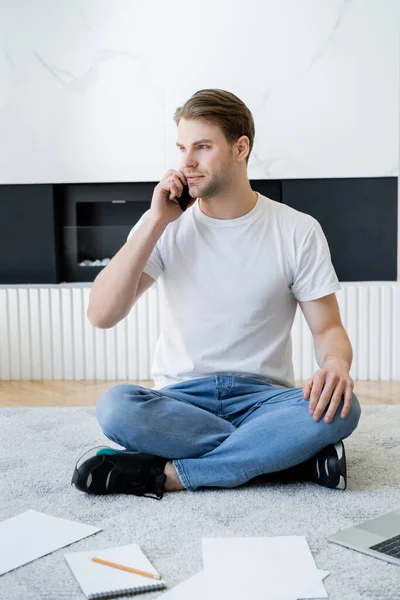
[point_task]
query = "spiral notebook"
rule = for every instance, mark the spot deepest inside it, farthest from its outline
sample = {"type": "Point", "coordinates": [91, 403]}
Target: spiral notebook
{"type": "Point", "coordinates": [101, 581]}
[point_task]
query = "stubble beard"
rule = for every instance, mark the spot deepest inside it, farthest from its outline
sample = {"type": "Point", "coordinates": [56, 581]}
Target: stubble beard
{"type": "Point", "coordinates": [212, 188]}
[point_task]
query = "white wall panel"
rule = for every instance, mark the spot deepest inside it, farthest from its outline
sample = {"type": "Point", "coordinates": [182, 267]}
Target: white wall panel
{"type": "Point", "coordinates": [64, 345]}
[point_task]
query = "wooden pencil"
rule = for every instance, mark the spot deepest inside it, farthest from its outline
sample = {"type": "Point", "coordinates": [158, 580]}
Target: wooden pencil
{"type": "Point", "coordinates": [124, 568]}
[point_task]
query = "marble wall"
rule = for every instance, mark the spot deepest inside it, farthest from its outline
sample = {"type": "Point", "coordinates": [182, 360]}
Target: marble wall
{"type": "Point", "coordinates": [88, 88]}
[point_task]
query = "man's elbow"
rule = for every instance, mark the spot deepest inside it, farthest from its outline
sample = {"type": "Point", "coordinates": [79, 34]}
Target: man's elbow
{"type": "Point", "coordinates": [99, 322]}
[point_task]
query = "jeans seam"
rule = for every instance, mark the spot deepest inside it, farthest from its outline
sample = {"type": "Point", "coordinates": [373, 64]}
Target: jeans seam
{"type": "Point", "coordinates": [218, 399]}
{"type": "Point", "coordinates": [181, 474]}
{"type": "Point", "coordinates": [220, 393]}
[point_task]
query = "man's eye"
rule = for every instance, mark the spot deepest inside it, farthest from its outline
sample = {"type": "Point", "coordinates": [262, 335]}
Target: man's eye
{"type": "Point", "coordinates": [201, 146]}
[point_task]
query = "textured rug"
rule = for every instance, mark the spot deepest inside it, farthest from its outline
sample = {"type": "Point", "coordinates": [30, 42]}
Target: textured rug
{"type": "Point", "coordinates": [39, 448]}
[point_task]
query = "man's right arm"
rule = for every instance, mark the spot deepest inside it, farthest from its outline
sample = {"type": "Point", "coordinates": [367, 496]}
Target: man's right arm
{"type": "Point", "coordinates": [114, 290]}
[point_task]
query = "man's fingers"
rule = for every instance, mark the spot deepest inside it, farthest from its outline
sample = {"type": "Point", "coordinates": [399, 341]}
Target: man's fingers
{"type": "Point", "coordinates": [319, 409]}
{"type": "Point", "coordinates": [307, 389]}
{"type": "Point", "coordinates": [175, 180]}
{"type": "Point", "coordinates": [348, 399]}
{"type": "Point", "coordinates": [334, 403]}
{"type": "Point", "coordinates": [318, 384]}
{"type": "Point", "coordinates": [326, 391]}
{"type": "Point", "coordinates": [175, 185]}
{"type": "Point", "coordinates": [182, 177]}
{"type": "Point", "coordinates": [323, 400]}
{"type": "Point", "coordinates": [177, 173]}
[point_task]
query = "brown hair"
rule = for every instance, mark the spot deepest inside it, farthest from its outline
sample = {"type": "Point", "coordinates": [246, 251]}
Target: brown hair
{"type": "Point", "coordinates": [221, 108]}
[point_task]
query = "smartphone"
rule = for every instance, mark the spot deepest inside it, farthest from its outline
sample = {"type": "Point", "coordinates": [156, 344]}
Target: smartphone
{"type": "Point", "coordinates": [185, 198]}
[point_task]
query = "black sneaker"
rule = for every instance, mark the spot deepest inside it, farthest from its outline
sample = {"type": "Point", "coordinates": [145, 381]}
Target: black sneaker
{"type": "Point", "coordinates": [104, 470]}
{"type": "Point", "coordinates": [329, 467]}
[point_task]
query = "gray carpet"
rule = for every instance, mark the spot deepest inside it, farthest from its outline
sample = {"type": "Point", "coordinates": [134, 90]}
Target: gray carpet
{"type": "Point", "coordinates": [39, 448]}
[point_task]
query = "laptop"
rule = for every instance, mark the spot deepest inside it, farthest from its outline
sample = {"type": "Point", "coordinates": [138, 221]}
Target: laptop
{"type": "Point", "coordinates": [379, 537]}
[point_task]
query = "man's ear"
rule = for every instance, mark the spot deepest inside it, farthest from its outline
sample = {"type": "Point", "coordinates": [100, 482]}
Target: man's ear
{"type": "Point", "coordinates": [242, 147]}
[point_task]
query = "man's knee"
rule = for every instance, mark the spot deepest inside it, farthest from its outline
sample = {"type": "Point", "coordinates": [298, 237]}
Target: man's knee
{"type": "Point", "coordinates": [110, 406]}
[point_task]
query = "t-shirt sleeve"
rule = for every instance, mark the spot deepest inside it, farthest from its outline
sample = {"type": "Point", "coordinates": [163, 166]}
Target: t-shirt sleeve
{"type": "Point", "coordinates": [315, 276]}
{"type": "Point", "coordinates": [154, 266]}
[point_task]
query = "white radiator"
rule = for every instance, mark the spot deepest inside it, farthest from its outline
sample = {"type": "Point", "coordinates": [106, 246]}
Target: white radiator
{"type": "Point", "coordinates": [44, 334]}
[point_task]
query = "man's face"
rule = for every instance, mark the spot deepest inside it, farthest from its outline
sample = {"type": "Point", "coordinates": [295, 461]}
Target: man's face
{"type": "Point", "coordinates": [205, 152]}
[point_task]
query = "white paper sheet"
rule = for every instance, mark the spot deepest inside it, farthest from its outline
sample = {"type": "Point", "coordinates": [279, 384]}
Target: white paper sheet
{"type": "Point", "coordinates": [33, 534]}
{"type": "Point", "coordinates": [194, 588]}
{"type": "Point", "coordinates": [278, 568]}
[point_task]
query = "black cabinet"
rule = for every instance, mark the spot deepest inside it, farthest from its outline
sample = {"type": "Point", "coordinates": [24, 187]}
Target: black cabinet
{"type": "Point", "coordinates": [28, 245]}
{"type": "Point", "coordinates": [54, 233]}
{"type": "Point", "coordinates": [359, 219]}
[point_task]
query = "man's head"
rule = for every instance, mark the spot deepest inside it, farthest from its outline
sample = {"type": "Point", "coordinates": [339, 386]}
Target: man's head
{"type": "Point", "coordinates": [215, 137]}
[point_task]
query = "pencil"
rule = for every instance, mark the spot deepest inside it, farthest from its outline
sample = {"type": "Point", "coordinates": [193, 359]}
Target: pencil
{"type": "Point", "coordinates": [124, 568]}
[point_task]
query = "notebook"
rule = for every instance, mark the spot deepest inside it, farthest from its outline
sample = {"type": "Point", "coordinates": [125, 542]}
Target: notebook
{"type": "Point", "coordinates": [101, 581]}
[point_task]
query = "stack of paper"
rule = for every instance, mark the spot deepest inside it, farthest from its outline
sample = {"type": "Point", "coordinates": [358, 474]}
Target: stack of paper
{"type": "Point", "coordinates": [277, 568]}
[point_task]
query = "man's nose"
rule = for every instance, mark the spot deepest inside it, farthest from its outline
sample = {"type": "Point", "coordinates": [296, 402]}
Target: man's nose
{"type": "Point", "coordinates": [188, 160]}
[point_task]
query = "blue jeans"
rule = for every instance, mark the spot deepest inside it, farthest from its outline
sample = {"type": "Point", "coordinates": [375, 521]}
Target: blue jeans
{"type": "Point", "coordinates": [222, 430]}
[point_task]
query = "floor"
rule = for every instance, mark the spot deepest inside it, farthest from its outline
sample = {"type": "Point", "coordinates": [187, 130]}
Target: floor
{"type": "Point", "coordinates": [86, 393]}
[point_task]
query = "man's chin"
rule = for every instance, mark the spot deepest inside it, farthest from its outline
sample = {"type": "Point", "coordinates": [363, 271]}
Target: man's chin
{"type": "Point", "coordinates": [200, 191]}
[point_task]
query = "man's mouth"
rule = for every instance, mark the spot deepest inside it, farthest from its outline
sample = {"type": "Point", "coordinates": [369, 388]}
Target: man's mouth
{"type": "Point", "coordinates": [193, 179]}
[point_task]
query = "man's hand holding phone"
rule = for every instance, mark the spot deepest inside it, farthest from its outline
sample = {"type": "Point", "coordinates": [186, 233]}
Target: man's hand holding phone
{"type": "Point", "coordinates": [170, 198]}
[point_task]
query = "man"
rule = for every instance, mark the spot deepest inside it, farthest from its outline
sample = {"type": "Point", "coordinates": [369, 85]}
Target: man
{"type": "Point", "coordinates": [233, 266]}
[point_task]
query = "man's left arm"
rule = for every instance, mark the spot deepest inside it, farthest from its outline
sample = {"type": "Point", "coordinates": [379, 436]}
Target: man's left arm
{"type": "Point", "coordinates": [334, 356]}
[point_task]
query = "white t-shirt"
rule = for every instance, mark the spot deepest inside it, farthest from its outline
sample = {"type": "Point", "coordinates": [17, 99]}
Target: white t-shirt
{"type": "Point", "coordinates": [228, 291]}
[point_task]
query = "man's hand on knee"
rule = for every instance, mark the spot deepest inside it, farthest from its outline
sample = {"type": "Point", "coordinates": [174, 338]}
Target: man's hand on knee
{"type": "Point", "coordinates": [328, 386]}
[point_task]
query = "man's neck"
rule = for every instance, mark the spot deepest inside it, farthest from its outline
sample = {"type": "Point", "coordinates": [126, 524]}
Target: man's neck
{"type": "Point", "coordinates": [224, 207]}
